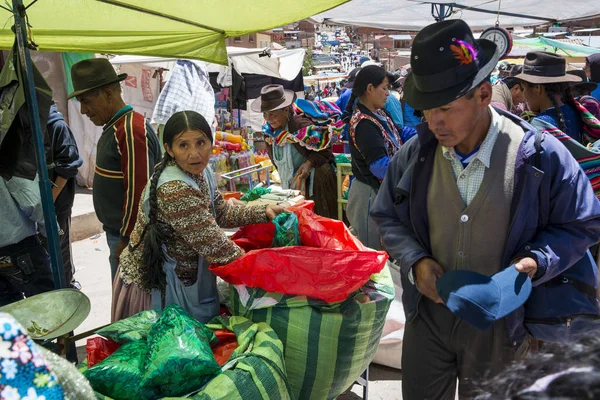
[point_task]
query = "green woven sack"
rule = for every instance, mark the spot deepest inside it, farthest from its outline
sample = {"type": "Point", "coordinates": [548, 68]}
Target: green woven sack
{"type": "Point", "coordinates": [327, 346]}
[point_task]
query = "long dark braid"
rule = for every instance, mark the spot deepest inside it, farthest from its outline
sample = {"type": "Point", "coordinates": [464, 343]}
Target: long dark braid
{"type": "Point", "coordinates": [157, 232]}
{"type": "Point", "coordinates": [552, 90]}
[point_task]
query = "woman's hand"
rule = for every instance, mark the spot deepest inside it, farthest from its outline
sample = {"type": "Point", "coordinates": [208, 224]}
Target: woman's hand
{"type": "Point", "coordinates": [304, 170]}
{"type": "Point", "coordinates": [302, 174]}
{"type": "Point", "coordinates": [273, 211]}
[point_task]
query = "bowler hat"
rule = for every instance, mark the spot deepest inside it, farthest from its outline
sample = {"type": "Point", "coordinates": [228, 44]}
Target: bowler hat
{"type": "Point", "coordinates": [584, 84]}
{"type": "Point", "coordinates": [480, 299]}
{"type": "Point", "coordinates": [447, 62]}
{"type": "Point", "coordinates": [273, 97]}
{"type": "Point", "coordinates": [92, 74]}
{"type": "Point", "coordinates": [352, 78]}
{"type": "Point", "coordinates": [541, 67]}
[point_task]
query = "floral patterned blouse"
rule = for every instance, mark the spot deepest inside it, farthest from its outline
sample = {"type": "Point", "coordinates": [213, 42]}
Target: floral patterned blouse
{"type": "Point", "coordinates": [24, 372]}
{"type": "Point", "coordinates": [196, 233]}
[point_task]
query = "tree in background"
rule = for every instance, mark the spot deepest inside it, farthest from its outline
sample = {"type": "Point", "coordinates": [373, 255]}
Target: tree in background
{"type": "Point", "coordinates": [308, 63]}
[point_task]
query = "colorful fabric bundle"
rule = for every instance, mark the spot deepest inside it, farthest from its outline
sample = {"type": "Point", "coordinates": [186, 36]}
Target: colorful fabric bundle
{"type": "Point", "coordinates": [325, 131]}
{"type": "Point", "coordinates": [588, 158]}
{"type": "Point", "coordinates": [24, 372]}
{"type": "Point", "coordinates": [327, 346]}
{"type": "Point", "coordinates": [591, 125]}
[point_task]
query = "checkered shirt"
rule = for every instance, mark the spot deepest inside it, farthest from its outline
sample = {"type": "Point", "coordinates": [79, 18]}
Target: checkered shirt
{"type": "Point", "coordinates": [469, 179]}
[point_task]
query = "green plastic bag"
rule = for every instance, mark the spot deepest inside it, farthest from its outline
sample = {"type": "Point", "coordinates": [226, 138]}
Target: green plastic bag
{"type": "Point", "coordinates": [255, 370]}
{"type": "Point", "coordinates": [130, 329]}
{"type": "Point", "coordinates": [180, 360]}
{"type": "Point", "coordinates": [255, 193]}
{"type": "Point", "coordinates": [119, 376]}
{"type": "Point", "coordinates": [286, 230]}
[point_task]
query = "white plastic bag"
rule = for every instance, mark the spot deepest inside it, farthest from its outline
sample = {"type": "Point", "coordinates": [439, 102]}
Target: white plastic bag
{"type": "Point", "coordinates": [389, 352]}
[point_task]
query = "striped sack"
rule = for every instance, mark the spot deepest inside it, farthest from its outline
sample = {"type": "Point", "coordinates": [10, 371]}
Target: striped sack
{"type": "Point", "coordinates": [255, 370]}
{"type": "Point", "coordinates": [327, 346]}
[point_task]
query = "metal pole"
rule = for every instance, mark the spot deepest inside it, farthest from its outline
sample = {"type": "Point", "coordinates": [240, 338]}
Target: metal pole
{"type": "Point", "coordinates": [38, 141]}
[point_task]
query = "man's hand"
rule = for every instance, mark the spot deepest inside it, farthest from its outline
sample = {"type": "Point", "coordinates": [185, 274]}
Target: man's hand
{"type": "Point", "coordinates": [527, 265]}
{"type": "Point", "coordinates": [426, 272]}
{"type": "Point", "coordinates": [120, 247]}
{"type": "Point", "coordinates": [273, 211]}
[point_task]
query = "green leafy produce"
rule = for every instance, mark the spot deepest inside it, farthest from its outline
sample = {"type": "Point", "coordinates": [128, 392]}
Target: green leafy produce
{"type": "Point", "coordinates": [119, 376]}
{"type": "Point", "coordinates": [36, 330]}
{"type": "Point", "coordinates": [180, 360]}
{"type": "Point", "coordinates": [255, 193]}
{"type": "Point", "coordinates": [286, 230]}
{"type": "Point", "coordinates": [130, 329]}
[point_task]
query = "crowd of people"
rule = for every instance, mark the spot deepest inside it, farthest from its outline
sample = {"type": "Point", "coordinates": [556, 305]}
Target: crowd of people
{"type": "Point", "coordinates": [451, 173]}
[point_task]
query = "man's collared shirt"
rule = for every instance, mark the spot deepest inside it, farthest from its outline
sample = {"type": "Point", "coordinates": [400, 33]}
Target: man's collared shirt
{"type": "Point", "coordinates": [469, 179]}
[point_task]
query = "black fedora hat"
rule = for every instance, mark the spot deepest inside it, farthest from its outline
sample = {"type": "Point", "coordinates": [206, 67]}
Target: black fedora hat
{"type": "Point", "coordinates": [541, 67]}
{"type": "Point", "coordinates": [584, 84]}
{"type": "Point", "coordinates": [91, 74]}
{"type": "Point", "coordinates": [273, 97]}
{"type": "Point", "coordinates": [446, 63]}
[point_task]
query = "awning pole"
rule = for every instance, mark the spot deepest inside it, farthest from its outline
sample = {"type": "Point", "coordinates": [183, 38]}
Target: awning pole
{"type": "Point", "coordinates": [38, 141]}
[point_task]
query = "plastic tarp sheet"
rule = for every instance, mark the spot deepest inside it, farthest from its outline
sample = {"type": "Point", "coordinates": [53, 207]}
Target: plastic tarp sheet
{"type": "Point", "coordinates": [414, 15]}
{"type": "Point", "coordinates": [192, 29]}
{"type": "Point", "coordinates": [282, 64]}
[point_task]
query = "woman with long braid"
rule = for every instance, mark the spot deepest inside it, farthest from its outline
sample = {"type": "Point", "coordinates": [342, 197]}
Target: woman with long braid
{"type": "Point", "coordinates": [546, 90]}
{"type": "Point", "coordinates": [178, 229]}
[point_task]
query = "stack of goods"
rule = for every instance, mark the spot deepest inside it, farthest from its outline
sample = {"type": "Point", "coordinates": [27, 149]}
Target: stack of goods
{"type": "Point", "coordinates": [150, 356]}
{"type": "Point", "coordinates": [326, 296]}
{"type": "Point", "coordinates": [274, 195]}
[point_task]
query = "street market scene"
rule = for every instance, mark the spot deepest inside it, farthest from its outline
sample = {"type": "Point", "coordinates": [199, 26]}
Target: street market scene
{"type": "Point", "coordinates": [316, 200]}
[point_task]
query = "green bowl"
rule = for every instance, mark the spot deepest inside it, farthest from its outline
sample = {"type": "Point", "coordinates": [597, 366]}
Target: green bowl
{"type": "Point", "coordinates": [55, 313]}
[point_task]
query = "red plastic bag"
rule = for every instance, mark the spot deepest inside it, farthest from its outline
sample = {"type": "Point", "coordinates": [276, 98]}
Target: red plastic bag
{"type": "Point", "coordinates": [98, 349]}
{"type": "Point", "coordinates": [329, 266]}
{"type": "Point", "coordinates": [226, 345]}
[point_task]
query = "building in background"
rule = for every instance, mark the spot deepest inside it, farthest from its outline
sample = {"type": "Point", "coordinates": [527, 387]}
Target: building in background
{"type": "Point", "coordinates": [254, 40]}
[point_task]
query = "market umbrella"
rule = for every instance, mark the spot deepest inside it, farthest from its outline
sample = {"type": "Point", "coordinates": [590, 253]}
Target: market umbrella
{"type": "Point", "coordinates": [190, 29]}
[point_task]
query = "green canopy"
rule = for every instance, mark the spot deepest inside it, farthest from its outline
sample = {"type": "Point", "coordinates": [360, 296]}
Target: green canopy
{"type": "Point", "coordinates": [570, 49]}
{"type": "Point", "coordinates": [191, 29]}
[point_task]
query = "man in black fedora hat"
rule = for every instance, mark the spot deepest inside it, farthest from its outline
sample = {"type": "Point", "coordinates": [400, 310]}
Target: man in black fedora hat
{"type": "Point", "coordinates": [470, 192]}
{"type": "Point", "coordinates": [126, 153]}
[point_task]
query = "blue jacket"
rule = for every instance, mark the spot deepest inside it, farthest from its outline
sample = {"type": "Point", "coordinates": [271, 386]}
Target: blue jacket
{"type": "Point", "coordinates": [394, 108]}
{"type": "Point", "coordinates": [63, 158]}
{"type": "Point", "coordinates": [558, 193]}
